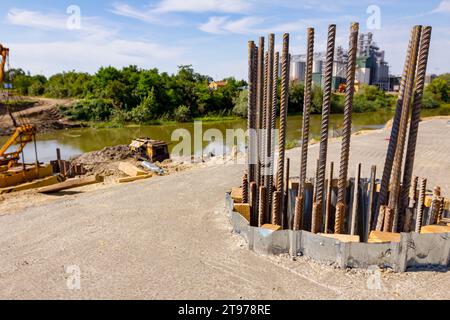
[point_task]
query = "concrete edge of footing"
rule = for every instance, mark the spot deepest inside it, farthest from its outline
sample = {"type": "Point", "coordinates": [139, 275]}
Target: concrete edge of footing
{"type": "Point", "coordinates": [413, 252]}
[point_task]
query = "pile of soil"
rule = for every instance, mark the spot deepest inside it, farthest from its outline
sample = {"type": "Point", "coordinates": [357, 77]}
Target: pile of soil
{"type": "Point", "coordinates": [105, 162]}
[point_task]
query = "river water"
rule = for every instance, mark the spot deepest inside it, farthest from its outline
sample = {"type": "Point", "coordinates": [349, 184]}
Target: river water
{"type": "Point", "coordinates": [73, 142]}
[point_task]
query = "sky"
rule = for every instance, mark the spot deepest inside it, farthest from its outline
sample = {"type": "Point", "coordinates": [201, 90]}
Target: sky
{"type": "Point", "coordinates": [49, 36]}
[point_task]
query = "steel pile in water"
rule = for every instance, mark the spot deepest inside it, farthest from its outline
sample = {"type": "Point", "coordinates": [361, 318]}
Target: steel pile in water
{"type": "Point", "coordinates": [346, 205]}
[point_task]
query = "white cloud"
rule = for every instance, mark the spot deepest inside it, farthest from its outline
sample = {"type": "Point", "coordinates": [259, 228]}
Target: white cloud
{"type": "Point", "coordinates": [90, 26]}
{"type": "Point", "coordinates": [88, 56]}
{"type": "Point", "coordinates": [443, 7]}
{"type": "Point", "coordinates": [94, 45]}
{"type": "Point", "coordinates": [149, 16]}
{"type": "Point", "coordinates": [229, 6]}
{"type": "Point", "coordinates": [222, 25]}
{"type": "Point", "coordinates": [36, 20]}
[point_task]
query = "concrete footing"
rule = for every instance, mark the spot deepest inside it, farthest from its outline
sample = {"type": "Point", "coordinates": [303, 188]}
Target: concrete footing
{"type": "Point", "coordinates": [414, 251]}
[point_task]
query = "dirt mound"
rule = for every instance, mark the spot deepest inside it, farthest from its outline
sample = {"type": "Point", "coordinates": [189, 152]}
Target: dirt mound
{"type": "Point", "coordinates": [105, 162]}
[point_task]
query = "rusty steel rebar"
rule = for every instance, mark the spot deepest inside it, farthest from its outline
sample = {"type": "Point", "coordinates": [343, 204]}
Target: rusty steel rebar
{"type": "Point", "coordinates": [245, 188]}
{"type": "Point", "coordinates": [268, 181]}
{"type": "Point", "coordinates": [415, 115]}
{"type": "Point", "coordinates": [388, 219]}
{"type": "Point", "coordinates": [283, 116]}
{"type": "Point", "coordinates": [273, 120]}
{"type": "Point", "coordinates": [251, 114]}
{"type": "Point", "coordinates": [412, 196]}
{"type": "Point", "coordinates": [398, 156]}
{"type": "Point", "coordinates": [339, 218]}
{"type": "Point", "coordinates": [355, 205]}
{"type": "Point", "coordinates": [435, 206]}
{"type": "Point", "coordinates": [253, 201]}
{"type": "Point", "coordinates": [420, 204]}
{"type": "Point", "coordinates": [323, 148]}
{"type": "Point", "coordinates": [276, 208]}
{"type": "Point", "coordinates": [259, 105]}
{"type": "Point", "coordinates": [298, 216]}
{"type": "Point", "coordinates": [286, 196]}
{"type": "Point", "coordinates": [387, 169]}
{"type": "Point", "coordinates": [370, 202]}
{"type": "Point", "coordinates": [348, 109]}
{"type": "Point", "coordinates": [262, 206]}
{"type": "Point", "coordinates": [328, 198]}
{"type": "Point", "coordinates": [298, 211]}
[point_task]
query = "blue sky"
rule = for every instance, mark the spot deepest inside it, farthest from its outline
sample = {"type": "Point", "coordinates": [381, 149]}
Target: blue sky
{"type": "Point", "coordinates": [211, 35]}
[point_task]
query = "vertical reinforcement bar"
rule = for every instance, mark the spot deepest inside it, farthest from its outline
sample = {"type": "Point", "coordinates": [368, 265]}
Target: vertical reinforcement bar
{"type": "Point", "coordinates": [259, 104]}
{"type": "Point", "coordinates": [328, 199]}
{"type": "Point", "coordinates": [370, 202]}
{"type": "Point", "coordinates": [328, 77]}
{"type": "Point", "coordinates": [348, 109]}
{"type": "Point", "coordinates": [398, 157]}
{"type": "Point", "coordinates": [268, 181]}
{"type": "Point", "coordinates": [420, 204]}
{"type": "Point", "coordinates": [283, 117]}
{"type": "Point", "coordinates": [355, 205]}
{"type": "Point", "coordinates": [387, 169]}
{"type": "Point", "coordinates": [415, 115]}
{"type": "Point", "coordinates": [305, 128]}
{"type": "Point", "coordinates": [251, 122]}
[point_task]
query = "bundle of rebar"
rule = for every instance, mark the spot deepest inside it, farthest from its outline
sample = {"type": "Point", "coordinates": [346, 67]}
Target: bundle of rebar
{"type": "Point", "coordinates": [262, 114]}
{"type": "Point", "coordinates": [355, 206]}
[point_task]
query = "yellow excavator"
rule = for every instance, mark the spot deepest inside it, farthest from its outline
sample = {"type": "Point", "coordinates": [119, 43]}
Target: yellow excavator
{"type": "Point", "coordinates": [22, 134]}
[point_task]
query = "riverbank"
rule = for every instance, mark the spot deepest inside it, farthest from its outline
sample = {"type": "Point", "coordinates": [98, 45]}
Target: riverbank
{"type": "Point", "coordinates": [41, 112]}
{"type": "Point", "coordinates": [137, 241]}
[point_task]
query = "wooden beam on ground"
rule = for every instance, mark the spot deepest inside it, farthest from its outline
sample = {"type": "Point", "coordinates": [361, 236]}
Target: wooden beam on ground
{"type": "Point", "coordinates": [243, 209]}
{"type": "Point", "coordinates": [236, 194]}
{"type": "Point", "coordinates": [131, 179]}
{"type": "Point", "coordinates": [341, 237]}
{"type": "Point", "coordinates": [383, 237]}
{"type": "Point", "coordinates": [131, 170]}
{"type": "Point", "coordinates": [434, 228]}
{"type": "Point", "coordinates": [71, 183]}
{"type": "Point", "coordinates": [272, 227]}
{"type": "Point", "coordinates": [34, 184]}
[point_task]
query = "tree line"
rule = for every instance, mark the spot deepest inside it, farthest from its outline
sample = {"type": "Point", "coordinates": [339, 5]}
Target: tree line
{"type": "Point", "coordinates": [141, 96]}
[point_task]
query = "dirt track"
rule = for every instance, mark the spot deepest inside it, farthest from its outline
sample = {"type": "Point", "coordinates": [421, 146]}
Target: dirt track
{"type": "Point", "coordinates": [44, 115]}
{"type": "Point", "coordinates": [168, 238]}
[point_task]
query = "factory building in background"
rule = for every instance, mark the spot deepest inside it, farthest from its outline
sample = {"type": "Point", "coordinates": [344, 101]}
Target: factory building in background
{"type": "Point", "coordinates": [371, 69]}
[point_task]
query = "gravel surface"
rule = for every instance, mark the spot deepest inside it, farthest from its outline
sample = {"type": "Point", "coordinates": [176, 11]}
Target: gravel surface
{"type": "Point", "coordinates": [168, 238]}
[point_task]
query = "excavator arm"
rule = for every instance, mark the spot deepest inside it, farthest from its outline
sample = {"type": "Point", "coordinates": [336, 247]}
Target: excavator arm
{"type": "Point", "coordinates": [22, 134]}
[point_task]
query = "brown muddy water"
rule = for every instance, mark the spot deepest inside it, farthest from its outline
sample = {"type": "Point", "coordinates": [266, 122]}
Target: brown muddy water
{"type": "Point", "coordinates": [73, 142]}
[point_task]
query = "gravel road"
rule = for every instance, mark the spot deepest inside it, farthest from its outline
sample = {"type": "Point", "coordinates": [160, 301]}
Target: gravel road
{"type": "Point", "coordinates": [168, 238]}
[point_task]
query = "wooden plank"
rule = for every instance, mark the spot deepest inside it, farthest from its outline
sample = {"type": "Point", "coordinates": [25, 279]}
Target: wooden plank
{"type": "Point", "coordinates": [434, 228]}
{"type": "Point", "coordinates": [272, 227]}
{"type": "Point", "coordinates": [341, 237]}
{"type": "Point", "coordinates": [71, 183]}
{"type": "Point", "coordinates": [131, 170]}
{"type": "Point", "coordinates": [236, 194]}
{"type": "Point", "coordinates": [243, 209]}
{"type": "Point", "coordinates": [383, 237]}
{"type": "Point", "coordinates": [34, 184]}
{"type": "Point", "coordinates": [17, 175]}
{"type": "Point", "coordinates": [131, 179]}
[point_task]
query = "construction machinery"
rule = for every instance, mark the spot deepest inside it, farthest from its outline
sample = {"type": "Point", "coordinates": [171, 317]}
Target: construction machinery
{"type": "Point", "coordinates": [22, 134]}
{"type": "Point", "coordinates": [148, 149]}
{"type": "Point", "coordinates": [11, 151]}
